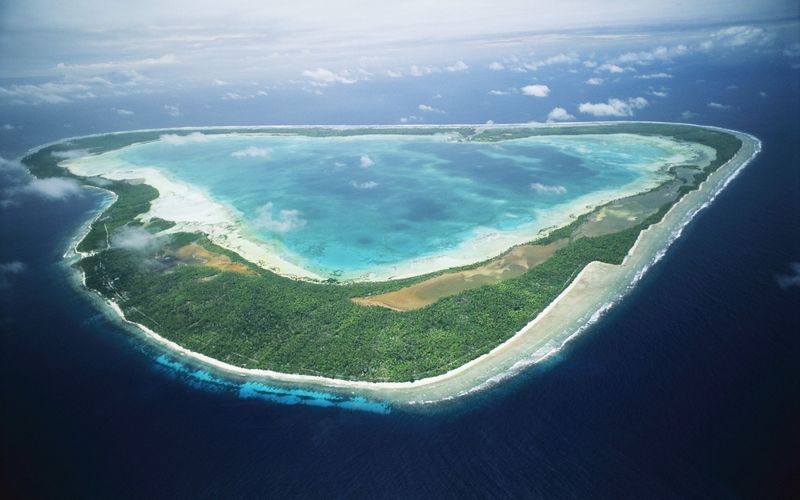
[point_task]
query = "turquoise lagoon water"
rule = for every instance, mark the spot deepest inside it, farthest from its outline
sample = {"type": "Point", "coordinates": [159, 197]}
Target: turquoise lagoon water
{"type": "Point", "coordinates": [342, 206]}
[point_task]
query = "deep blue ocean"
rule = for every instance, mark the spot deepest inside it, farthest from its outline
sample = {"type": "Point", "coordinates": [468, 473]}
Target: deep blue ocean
{"type": "Point", "coordinates": [690, 388]}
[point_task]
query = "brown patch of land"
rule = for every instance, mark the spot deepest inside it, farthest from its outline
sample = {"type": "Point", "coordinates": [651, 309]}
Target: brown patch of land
{"type": "Point", "coordinates": [613, 217]}
{"type": "Point", "coordinates": [196, 254]}
{"type": "Point", "coordinates": [510, 265]}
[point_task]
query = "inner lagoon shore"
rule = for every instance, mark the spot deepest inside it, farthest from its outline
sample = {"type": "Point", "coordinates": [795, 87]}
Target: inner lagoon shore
{"type": "Point", "coordinates": [593, 290]}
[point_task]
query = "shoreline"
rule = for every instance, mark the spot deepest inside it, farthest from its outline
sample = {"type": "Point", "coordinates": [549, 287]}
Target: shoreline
{"type": "Point", "coordinates": [596, 279]}
{"type": "Point", "coordinates": [194, 210]}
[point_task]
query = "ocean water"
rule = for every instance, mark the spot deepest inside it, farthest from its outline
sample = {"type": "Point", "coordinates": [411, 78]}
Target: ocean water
{"type": "Point", "coordinates": [349, 206]}
{"type": "Point", "coordinates": [687, 389]}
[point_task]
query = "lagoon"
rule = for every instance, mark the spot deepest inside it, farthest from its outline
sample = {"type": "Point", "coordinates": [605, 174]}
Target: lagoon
{"type": "Point", "coordinates": [377, 207]}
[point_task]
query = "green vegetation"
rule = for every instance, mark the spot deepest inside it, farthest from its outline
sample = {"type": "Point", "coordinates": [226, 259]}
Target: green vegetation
{"type": "Point", "coordinates": [267, 321]}
{"type": "Point", "coordinates": [132, 200]}
{"type": "Point", "coordinates": [157, 224]}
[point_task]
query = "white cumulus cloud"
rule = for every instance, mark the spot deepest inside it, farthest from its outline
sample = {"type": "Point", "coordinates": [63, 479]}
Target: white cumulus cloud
{"type": "Point", "coordinates": [594, 81]}
{"type": "Point", "coordinates": [287, 219]}
{"type": "Point", "coordinates": [649, 56]}
{"type": "Point", "coordinates": [613, 107]}
{"type": "Point", "coordinates": [540, 188]}
{"type": "Point", "coordinates": [326, 76]}
{"type": "Point", "coordinates": [738, 36]}
{"type": "Point", "coordinates": [132, 238]}
{"type": "Point", "coordinates": [53, 188]}
{"type": "Point", "coordinates": [536, 90]}
{"type": "Point", "coordinates": [457, 66]}
{"type": "Point", "coordinates": [558, 114]}
{"type": "Point", "coordinates": [716, 105]}
{"type": "Point", "coordinates": [429, 109]}
{"type": "Point", "coordinates": [365, 161]}
{"type": "Point", "coordinates": [173, 110]}
{"type": "Point", "coordinates": [611, 68]}
{"type": "Point", "coordinates": [651, 76]}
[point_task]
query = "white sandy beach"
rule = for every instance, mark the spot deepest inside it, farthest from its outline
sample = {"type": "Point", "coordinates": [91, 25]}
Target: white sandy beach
{"type": "Point", "coordinates": [595, 289]}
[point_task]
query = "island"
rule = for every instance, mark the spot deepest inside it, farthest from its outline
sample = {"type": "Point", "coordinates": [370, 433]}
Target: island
{"type": "Point", "coordinates": [425, 262]}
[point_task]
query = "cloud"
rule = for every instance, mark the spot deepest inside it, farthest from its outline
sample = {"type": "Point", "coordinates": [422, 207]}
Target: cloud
{"type": "Point", "coordinates": [613, 107]}
{"type": "Point", "coordinates": [415, 70]}
{"type": "Point", "coordinates": [411, 118]}
{"type": "Point", "coordinates": [133, 238]}
{"type": "Point", "coordinates": [716, 105]}
{"type": "Point", "coordinates": [790, 280]}
{"type": "Point", "coordinates": [53, 188]}
{"type": "Point", "coordinates": [364, 185]}
{"type": "Point", "coordinates": [322, 76]}
{"type": "Point", "coordinates": [738, 36]}
{"type": "Point", "coordinates": [123, 112]}
{"type": "Point", "coordinates": [178, 140]}
{"type": "Point", "coordinates": [503, 92]}
{"type": "Point", "coordinates": [650, 56]}
{"type": "Point", "coordinates": [540, 188]}
{"type": "Point", "coordinates": [429, 109]}
{"type": "Point", "coordinates": [496, 66]}
{"type": "Point", "coordinates": [365, 161]}
{"type": "Point", "coordinates": [219, 83]}
{"type": "Point", "coordinates": [688, 115]}
{"type": "Point", "coordinates": [45, 93]}
{"type": "Point", "coordinates": [457, 66]}
{"type": "Point", "coordinates": [651, 76]}
{"type": "Point", "coordinates": [12, 176]}
{"type": "Point", "coordinates": [558, 114]}
{"type": "Point", "coordinates": [250, 152]}
{"type": "Point", "coordinates": [8, 269]}
{"type": "Point", "coordinates": [658, 93]}
{"type": "Point", "coordinates": [238, 96]}
{"type": "Point", "coordinates": [594, 81]}
{"type": "Point", "coordinates": [173, 109]}
{"type": "Point", "coordinates": [611, 68]}
{"type": "Point", "coordinates": [75, 87]}
{"type": "Point", "coordinates": [393, 74]}
{"type": "Point", "coordinates": [556, 59]}
{"type": "Point", "coordinates": [287, 220]}
{"type": "Point", "coordinates": [792, 51]}
{"type": "Point", "coordinates": [116, 65]}
{"type": "Point", "coordinates": [11, 166]}
{"type": "Point", "coordinates": [8, 127]}
{"type": "Point", "coordinates": [536, 90]}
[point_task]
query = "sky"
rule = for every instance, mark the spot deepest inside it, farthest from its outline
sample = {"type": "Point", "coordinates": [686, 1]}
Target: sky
{"type": "Point", "coordinates": [93, 66]}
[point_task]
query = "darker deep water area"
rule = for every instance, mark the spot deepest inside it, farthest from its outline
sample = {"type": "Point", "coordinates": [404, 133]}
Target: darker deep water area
{"type": "Point", "coordinates": [688, 388]}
